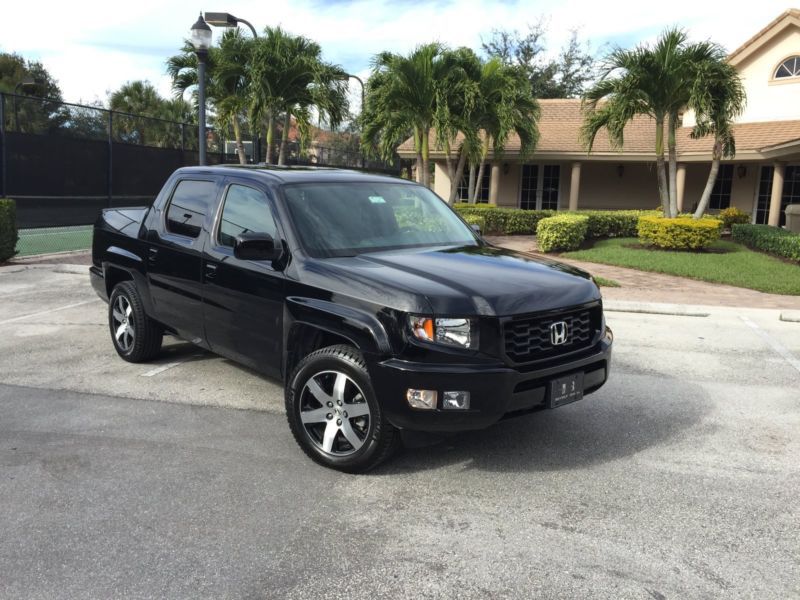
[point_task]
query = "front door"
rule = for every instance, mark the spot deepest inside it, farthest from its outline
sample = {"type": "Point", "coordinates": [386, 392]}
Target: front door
{"type": "Point", "coordinates": [243, 299]}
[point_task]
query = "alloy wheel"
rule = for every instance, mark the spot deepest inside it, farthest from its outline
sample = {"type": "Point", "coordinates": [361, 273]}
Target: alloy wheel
{"type": "Point", "coordinates": [122, 323]}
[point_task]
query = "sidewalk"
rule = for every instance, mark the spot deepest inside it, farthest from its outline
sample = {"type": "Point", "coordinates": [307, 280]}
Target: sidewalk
{"type": "Point", "coordinates": [641, 286]}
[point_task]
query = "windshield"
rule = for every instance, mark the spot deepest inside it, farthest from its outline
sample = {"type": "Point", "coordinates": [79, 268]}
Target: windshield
{"type": "Point", "coordinates": [345, 219]}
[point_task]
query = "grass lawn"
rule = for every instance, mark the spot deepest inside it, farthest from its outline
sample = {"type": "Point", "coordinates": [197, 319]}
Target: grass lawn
{"type": "Point", "coordinates": [54, 239]}
{"type": "Point", "coordinates": [603, 282]}
{"type": "Point", "coordinates": [726, 262]}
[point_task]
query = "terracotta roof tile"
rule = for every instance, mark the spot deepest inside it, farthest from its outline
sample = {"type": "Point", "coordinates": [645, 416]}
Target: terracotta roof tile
{"type": "Point", "coordinates": [561, 121]}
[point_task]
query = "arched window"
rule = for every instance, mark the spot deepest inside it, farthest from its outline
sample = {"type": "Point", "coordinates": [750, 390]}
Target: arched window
{"type": "Point", "coordinates": [788, 68]}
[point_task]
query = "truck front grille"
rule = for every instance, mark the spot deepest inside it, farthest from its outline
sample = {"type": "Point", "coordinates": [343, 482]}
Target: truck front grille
{"type": "Point", "coordinates": [531, 337]}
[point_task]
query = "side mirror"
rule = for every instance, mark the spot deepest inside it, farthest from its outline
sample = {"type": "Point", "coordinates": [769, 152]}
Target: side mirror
{"type": "Point", "coordinates": [476, 228]}
{"type": "Point", "coordinates": [256, 246]}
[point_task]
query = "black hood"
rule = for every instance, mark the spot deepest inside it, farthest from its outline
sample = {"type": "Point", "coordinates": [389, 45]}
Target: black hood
{"type": "Point", "coordinates": [466, 281]}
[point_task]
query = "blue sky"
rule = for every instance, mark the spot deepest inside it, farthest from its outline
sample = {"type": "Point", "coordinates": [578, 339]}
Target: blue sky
{"type": "Point", "coordinates": [93, 46]}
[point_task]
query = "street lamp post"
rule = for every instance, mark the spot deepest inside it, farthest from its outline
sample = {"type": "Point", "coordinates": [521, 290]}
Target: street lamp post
{"type": "Point", "coordinates": [363, 100]}
{"type": "Point", "coordinates": [201, 40]}
{"type": "Point", "coordinates": [223, 19]}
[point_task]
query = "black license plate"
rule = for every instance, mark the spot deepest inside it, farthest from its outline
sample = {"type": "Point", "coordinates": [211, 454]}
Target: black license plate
{"type": "Point", "coordinates": [566, 389]}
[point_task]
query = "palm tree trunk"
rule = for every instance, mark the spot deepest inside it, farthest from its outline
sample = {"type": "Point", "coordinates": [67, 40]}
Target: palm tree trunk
{"type": "Point", "coordinates": [712, 178]}
{"type": "Point", "coordinates": [479, 181]}
{"type": "Point", "coordinates": [673, 166]}
{"type": "Point", "coordinates": [237, 134]}
{"type": "Point", "coordinates": [471, 184]}
{"type": "Point", "coordinates": [426, 173]}
{"type": "Point", "coordinates": [418, 152]}
{"type": "Point", "coordinates": [456, 178]}
{"type": "Point", "coordinates": [269, 136]}
{"type": "Point", "coordinates": [287, 121]}
{"type": "Point", "coordinates": [661, 171]}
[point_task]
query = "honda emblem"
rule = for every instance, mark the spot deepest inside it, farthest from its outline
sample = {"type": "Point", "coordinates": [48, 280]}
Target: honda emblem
{"type": "Point", "coordinates": [559, 333]}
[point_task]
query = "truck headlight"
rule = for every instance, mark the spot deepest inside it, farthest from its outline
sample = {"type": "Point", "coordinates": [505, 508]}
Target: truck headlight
{"type": "Point", "coordinates": [458, 332]}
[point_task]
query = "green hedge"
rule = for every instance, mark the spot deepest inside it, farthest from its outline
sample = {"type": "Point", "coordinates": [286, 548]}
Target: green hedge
{"type": "Point", "coordinates": [476, 220]}
{"type": "Point", "coordinates": [505, 221]}
{"type": "Point", "coordinates": [614, 223]}
{"type": "Point", "coordinates": [768, 239]}
{"type": "Point", "coordinates": [8, 229]}
{"type": "Point", "coordinates": [562, 232]}
{"type": "Point", "coordinates": [681, 233]}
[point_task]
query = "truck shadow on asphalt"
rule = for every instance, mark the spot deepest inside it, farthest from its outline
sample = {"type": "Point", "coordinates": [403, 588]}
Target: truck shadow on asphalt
{"type": "Point", "coordinates": [631, 414]}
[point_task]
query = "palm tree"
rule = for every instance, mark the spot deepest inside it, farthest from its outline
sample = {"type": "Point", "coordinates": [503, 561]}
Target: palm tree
{"type": "Point", "coordinates": [228, 80]}
{"type": "Point", "coordinates": [149, 119]}
{"type": "Point", "coordinates": [401, 100]}
{"type": "Point", "coordinates": [289, 77]}
{"type": "Point", "coordinates": [718, 98]}
{"type": "Point", "coordinates": [505, 106]}
{"type": "Point", "coordinates": [658, 82]}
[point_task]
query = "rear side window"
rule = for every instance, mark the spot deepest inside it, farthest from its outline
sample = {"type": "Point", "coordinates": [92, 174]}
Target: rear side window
{"type": "Point", "coordinates": [246, 210]}
{"type": "Point", "coordinates": [190, 203]}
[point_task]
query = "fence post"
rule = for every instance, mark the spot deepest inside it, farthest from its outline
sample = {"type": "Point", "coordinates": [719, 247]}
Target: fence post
{"type": "Point", "coordinates": [110, 156]}
{"type": "Point", "coordinates": [183, 138]}
{"type": "Point", "coordinates": [4, 143]}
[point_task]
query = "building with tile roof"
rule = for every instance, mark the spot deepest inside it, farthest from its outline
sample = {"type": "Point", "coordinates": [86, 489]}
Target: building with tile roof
{"type": "Point", "coordinates": [762, 179]}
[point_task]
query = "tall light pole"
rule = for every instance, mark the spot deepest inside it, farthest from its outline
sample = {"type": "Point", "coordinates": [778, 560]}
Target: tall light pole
{"type": "Point", "coordinates": [363, 100]}
{"type": "Point", "coordinates": [223, 19]}
{"type": "Point", "coordinates": [201, 40]}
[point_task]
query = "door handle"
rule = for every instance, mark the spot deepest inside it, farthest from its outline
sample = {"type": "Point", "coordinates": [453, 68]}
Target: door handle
{"type": "Point", "coordinates": [211, 270]}
{"type": "Point", "coordinates": [152, 254]}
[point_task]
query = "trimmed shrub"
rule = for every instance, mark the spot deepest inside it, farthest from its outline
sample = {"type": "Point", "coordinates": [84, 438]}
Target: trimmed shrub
{"type": "Point", "coordinates": [733, 216]}
{"type": "Point", "coordinates": [614, 223]}
{"type": "Point", "coordinates": [768, 239]}
{"type": "Point", "coordinates": [475, 220]}
{"type": "Point", "coordinates": [505, 221]}
{"type": "Point", "coordinates": [562, 232]}
{"type": "Point", "coordinates": [8, 229]}
{"type": "Point", "coordinates": [681, 233]}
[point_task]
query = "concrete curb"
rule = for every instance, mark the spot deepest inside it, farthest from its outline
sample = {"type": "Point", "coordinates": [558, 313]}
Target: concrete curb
{"type": "Point", "coordinates": [790, 316]}
{"type": "Point", "coordinates": [654, 308]}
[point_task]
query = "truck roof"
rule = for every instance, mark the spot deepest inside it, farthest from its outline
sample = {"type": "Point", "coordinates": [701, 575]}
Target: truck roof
{"type": "Point", "coordinates": [293, 174]}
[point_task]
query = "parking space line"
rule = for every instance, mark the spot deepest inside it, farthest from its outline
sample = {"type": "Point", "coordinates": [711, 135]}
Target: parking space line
{"type": "Point", "coordinates": [782, 350]}
{"type": "Point", "coordinates": [48, 311]}
{"type": "Point", "coordinates": [162, 368]}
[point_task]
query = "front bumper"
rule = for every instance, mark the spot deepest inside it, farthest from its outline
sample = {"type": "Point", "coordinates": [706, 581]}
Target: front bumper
{"type": "Point", "coordinates": [496, 390]}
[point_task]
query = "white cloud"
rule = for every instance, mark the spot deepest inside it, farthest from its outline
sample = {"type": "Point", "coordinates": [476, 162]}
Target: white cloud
{"type": "Point", "coordinates": [92, 46]}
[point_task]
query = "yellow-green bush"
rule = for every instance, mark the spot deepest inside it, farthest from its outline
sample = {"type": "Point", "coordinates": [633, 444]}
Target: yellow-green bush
{"type": "Point", "coordinates": [505, 221]}
{"type": "Point", "coordinates": [475, 220]}
{"type": "Point", "coordinates": [682, 233]}
{"type": "Point", "coordinates": [8, 229]}
{"type": "Point", "coordinates": [733, 216]}
{"type": "Point", "coordinates": [562, 232]}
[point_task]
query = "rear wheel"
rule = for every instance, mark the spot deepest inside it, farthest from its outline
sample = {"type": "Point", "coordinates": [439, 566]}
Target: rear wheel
{"type": "Point", "coordinates": [334, 414]}
{"type": "Point", "coordinates": [136, 337]}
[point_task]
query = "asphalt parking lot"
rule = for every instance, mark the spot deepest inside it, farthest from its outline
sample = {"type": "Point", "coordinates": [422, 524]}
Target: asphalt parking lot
{"type": "Point", "coordinates": [679, 479]}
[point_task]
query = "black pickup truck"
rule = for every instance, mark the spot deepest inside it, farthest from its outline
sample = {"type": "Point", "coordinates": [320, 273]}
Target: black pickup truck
{"type": "Point", "coordinates": [379, 308]}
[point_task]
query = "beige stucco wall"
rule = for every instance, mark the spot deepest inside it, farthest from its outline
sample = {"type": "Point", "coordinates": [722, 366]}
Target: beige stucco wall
{"type": "Point", "coordinates": [768, 100]}
{"type": "Point", "coordinates": [603, 188]}
{"type": "Point", "coordinates": [508, 190]}
{"type": "Point", "coordinates": [441, 182]}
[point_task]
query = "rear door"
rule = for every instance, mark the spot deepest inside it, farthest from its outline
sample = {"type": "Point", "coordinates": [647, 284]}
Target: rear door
{"type": "Point", "coordinates": [243, 299]}
{"type": "Point", "coordinates": [174, 255]}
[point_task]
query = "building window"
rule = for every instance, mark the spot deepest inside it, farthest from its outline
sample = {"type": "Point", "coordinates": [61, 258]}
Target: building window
{"type": "Point", "coordinates": [528, 187]}
{"type": "Point", "coordinates": [721, 194]}
{"type": "Point", "coordinates": [788, 68]}
{"type": "Point", "coordinates": [539, 192]}
{"type": "Point", "coordinates": [550, 183]}
{"type": "Point", "coordinates": [483, 189]}
{"type": "Point", "coordinates": [789, 195]}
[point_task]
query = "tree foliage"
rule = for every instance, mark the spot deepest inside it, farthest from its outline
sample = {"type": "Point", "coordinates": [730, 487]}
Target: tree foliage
{"type": "Point", "coordinates": [565, 76]}
{"type": "Point", "coordinates": [29, 116]}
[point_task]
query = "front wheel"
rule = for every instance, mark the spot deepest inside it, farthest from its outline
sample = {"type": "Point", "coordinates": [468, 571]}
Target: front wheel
{"type": "Point", "coordinates": [334, 414]}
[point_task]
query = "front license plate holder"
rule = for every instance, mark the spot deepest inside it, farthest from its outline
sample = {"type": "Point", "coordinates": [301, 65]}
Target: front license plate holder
{"type": "Point", "coordinates": [566, 389]}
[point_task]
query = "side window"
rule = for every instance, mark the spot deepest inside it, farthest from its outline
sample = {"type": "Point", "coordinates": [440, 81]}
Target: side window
{"type": "Point", "coordinates": [189, 205]}
{"type": "Point", "coordinates": [246, 210]}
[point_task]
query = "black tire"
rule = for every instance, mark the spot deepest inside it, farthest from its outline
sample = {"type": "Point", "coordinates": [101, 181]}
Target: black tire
{"type": "Point", "coordinates": [378, 438]}
{"type": "Point", "coordinates": [141, 340]}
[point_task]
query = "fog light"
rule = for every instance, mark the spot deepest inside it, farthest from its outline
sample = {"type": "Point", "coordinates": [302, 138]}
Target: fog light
{"type": "Point", "coordinates": [422, 399]}
{"type": "Point", "coordinates": [456, 400]}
